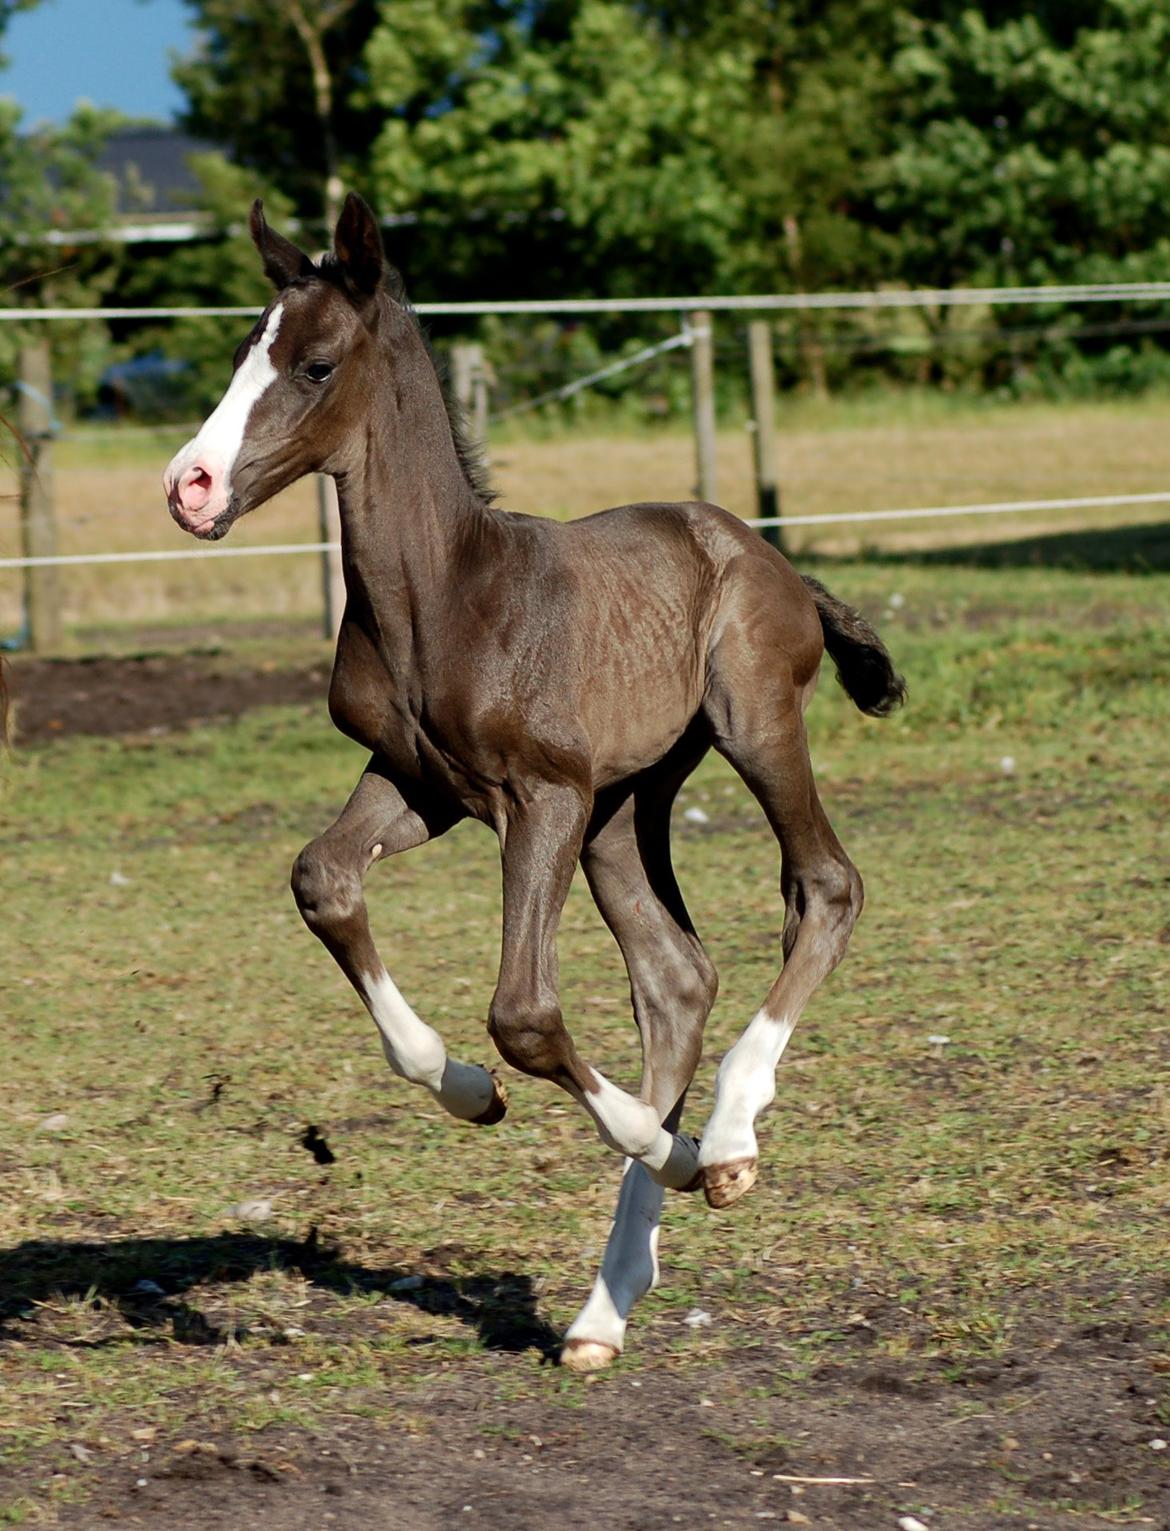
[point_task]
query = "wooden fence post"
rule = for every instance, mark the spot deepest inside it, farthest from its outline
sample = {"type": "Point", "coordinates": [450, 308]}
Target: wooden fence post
{"type": "Point", "coordinates": [332, 577]}
{"type": "Point", "coordinates": [462, 368]}
{"type": "Point", "coordinates": [38, 526]}
{"type": "Point", "coordinates": [703, 402]}
{"type": "Point", "coordinates": [764, 428]}
{"type": "Point", "coordinates": [471, 375]}
{"type": "Point", "coordinates": [481, 381]}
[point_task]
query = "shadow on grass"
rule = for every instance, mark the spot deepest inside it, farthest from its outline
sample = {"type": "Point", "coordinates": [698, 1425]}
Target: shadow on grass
{"type": "Point", "coordinates": [1113, 550]}
{"type": "Point", "coordinates": [149, 1282]}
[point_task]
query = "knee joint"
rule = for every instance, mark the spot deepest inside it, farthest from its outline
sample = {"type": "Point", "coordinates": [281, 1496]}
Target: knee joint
{"type": "Point", "coordinates": [531, 1037]}
{"type": "Point", "coordinates": [326, 894]}
{"type": "Point", "coordinates": [840, 891]}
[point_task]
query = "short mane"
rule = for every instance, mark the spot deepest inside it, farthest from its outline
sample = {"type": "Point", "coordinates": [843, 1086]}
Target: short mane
{"type": "Point", "coordinates": [467, 449]}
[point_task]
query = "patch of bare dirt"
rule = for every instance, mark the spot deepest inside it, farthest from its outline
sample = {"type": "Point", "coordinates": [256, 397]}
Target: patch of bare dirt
{"type": "Point", "coordinates": [58, 698]}
{"type": "Point", "coordinates": [1058, 1434]}
{"type": "Point", "coordinates": [1063, 1430]}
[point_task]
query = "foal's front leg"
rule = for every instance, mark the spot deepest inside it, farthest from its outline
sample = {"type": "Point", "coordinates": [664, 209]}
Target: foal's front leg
{"type": "Point", "coordinates": [327, 883]}
{"type": "Point", "coordinates": [541, 842]}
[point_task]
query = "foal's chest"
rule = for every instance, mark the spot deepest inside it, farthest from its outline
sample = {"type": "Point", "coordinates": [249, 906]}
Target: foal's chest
{"type": "Point", "coordinates": [418, 729]}
{"type": "Point", "coordinates": [368, 701]}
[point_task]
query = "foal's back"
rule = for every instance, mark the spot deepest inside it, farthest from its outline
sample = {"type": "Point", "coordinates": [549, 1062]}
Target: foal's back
{"type": "Point", "coordinates": [619, 616]}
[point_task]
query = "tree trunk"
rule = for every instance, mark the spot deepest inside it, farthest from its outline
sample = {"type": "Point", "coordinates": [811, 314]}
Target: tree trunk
{"type": "Point", "coordinates": [311, 30]}
{"type": "Point", "coordinates": [810, 347]}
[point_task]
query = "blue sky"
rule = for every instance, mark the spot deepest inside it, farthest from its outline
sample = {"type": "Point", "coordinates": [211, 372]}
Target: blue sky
{"type": "Point", "coordinates": [111, 52]}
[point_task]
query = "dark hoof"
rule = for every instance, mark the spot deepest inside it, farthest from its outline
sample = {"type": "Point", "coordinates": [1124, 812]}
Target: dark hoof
{"type": "Point", "coordinates": [724, 1184]}
{"type": "Point", "coordinates": [497, 1107]}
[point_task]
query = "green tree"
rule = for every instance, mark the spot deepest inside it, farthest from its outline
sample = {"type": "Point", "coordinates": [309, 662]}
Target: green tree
{"type": "Point", "coordinates": [1033, 146]}
{"type": "Point", "coordinates": [220, 269]}
{"type": "Point", "coordinates": [592, 145]}
{"type": "Point", "coordinates": [801, 136]}
{"type": "Point", "coordinates": [53, 190]}
{"type": "Point", "coordinates": [616, 146]}
{"type": "Point", "coordinates": [279, 85]}
{"type": "Point", "coordinates": [52, 187]}
{"type": "Point", "coordinates": [527, 156]}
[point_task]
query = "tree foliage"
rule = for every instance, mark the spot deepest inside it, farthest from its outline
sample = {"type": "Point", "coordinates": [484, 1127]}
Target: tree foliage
{"type": "Point", "coordinates": [1030, 147]}
{"type": "Point", "coordinates": [622, 145]}
{"type": "Point", "coordinates": [220, 270]}
{"type": "Point", "coordinates": [282, 85]}
{"type": "Point", "coordinates": [612, 147]}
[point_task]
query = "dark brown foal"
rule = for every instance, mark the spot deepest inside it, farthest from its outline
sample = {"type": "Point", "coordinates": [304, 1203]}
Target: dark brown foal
{"type": "Point", "coordinates": [558, 683]}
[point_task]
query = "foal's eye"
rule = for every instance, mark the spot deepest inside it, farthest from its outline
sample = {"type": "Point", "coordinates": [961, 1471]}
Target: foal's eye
{"type": "Point", "coordinates": [319, 371]}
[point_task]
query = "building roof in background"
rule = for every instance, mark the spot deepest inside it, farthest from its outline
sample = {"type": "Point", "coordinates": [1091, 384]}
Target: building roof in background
{"type": "Point", "coordinates": [157, 198]}
{"type": "Point", "coordinates": [153, 171]}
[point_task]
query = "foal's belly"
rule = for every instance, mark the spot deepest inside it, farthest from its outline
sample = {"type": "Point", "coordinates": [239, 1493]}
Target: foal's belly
{"type": "Point", "coordinates": [602, 710]}
{"type": "Point", "coordinates": [634, 722]}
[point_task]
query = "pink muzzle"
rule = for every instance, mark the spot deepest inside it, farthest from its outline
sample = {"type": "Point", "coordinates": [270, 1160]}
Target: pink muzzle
{"type": "Point", "coordinates": [196, 495]}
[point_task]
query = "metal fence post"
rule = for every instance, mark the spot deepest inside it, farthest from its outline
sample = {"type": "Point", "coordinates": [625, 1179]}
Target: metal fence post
{"type": "Point", "coordinates": [764, 428]}
{"type": "Point", "coordinates": [38, 526]}
{"type": "Point", "coordinates": [332, 577]}
{"type": "Point", "coordinates": [703, 401]}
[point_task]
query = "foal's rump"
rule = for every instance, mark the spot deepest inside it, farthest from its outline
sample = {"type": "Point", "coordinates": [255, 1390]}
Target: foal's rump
{"type": "Point", "coordinates": [864, 666]}
{"type": "Point", "coordinates": [682, 608]}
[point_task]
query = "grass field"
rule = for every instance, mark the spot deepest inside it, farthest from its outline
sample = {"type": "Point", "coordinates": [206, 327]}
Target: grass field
{"type": "Point", "coordinates": [966, 1160]}
{"type": "Point", "coordinates": [893, 451]}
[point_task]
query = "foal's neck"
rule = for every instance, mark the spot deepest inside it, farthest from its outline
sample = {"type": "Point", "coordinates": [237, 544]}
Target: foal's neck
{"type": "Point", "coordinates": [407, 506]}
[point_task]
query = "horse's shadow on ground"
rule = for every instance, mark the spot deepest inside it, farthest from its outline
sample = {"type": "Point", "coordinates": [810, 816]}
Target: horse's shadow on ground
{"type": "Point", "coordinates": [151, 1283]}
{"type": "Point", "coordinates": [1140, 549]}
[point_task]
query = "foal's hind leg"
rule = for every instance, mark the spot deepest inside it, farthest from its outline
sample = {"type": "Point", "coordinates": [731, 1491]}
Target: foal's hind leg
{"type": "Point", "coordinates": [327, 884]}
{"type": "Point", "coordinates": [542, 839]}
{"type": "Point", "coordinates": [760, 728]}
{"type": "Point", "coordinates": [673, 984]}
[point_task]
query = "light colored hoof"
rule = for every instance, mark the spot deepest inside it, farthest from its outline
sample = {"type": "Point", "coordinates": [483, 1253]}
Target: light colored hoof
{"type": "Point", "coordinates": [497, 1108]}
{"type": "Point", "coordinates": [588, 1355]}
{"type": "Point", "coordinates": [724, 1184]}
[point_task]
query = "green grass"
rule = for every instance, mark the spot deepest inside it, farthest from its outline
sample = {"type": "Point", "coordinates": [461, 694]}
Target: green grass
{"type": "Point", "coordinates": [883, 450]}
{"type": "Point", "coordinates": [162, 995]}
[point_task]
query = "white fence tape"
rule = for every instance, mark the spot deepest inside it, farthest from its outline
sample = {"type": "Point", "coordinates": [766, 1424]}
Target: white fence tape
{"type": "Point", "coordinates": [167, 555]}
{"type": "Point", "coordinates": [1002, 508]}
{"type": "Point", "coordinates": [947, 297]}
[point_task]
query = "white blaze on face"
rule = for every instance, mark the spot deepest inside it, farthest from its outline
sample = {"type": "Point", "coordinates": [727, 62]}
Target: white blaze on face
{"type": "Point", "coordinates": [198, 481]}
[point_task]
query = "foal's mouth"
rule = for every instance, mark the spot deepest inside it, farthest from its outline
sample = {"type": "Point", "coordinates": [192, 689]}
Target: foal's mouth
{"type": "Point", "coordinates": [207, 531]}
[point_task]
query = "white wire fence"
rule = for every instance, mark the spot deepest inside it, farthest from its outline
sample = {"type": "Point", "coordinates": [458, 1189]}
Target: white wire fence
{"type": "Point", "coordinates": [842, 518]}
{"type": "Point", "coordinates": [920, 297]}
{"type": "Point", "coordinates": [694, 336]}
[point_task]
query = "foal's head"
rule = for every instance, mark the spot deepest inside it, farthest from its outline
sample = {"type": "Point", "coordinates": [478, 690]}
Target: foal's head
{"type": "Point", "coordinates": [302, 378]}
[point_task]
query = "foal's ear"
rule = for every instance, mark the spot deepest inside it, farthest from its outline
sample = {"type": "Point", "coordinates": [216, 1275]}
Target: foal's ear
{"type": "Point", "coordinates": [358, 244]}
{"type": "Point", "coordinates": [283, 262]}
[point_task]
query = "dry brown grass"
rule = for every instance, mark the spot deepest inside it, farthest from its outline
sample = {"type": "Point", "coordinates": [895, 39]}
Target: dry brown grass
{"type": "Point", "coordinates": [898, 453]}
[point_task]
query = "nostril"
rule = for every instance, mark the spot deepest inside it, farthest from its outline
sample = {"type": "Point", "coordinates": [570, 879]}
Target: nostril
{"type": "Point", "coordinates": [195, 486]}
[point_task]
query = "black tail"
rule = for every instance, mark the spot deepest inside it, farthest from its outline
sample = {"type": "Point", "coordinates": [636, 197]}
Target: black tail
{"type": "Point", "coordinates": [864, 666]}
